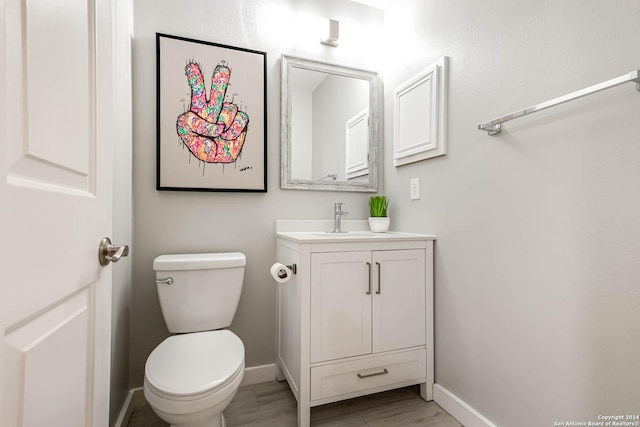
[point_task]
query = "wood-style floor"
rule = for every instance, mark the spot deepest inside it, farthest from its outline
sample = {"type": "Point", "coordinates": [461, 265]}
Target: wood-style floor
{"type": "Point", "coordinates": [272, 405]}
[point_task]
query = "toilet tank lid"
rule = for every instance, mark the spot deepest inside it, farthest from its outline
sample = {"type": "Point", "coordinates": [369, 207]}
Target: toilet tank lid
{"type": "Point", "coordinates": [199, 261]}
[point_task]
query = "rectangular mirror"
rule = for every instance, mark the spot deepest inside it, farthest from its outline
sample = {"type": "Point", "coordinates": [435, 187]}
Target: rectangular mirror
{"type": "Point", "coordinates": [329, 126]}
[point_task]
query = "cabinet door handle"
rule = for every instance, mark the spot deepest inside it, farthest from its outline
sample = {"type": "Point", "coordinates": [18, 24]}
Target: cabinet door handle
{"type": "Point", "coordinates": [378, 265]}
{"type": "Point", "coordinates": [369, 270]}
{"type": "Point", "coordinates": [374, 374]}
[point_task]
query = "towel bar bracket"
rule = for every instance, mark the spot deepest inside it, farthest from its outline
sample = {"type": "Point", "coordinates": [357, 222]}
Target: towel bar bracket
{"type": "Point", "coordinates": [491, 130]}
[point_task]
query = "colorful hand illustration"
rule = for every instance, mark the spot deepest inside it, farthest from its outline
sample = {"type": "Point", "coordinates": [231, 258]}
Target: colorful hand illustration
{"type": "Point", "coordinates": [213, 130]}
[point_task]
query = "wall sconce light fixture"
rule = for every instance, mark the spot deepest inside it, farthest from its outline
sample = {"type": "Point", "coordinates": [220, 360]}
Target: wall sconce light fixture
{"type": "Point", "coordinates": [334, 34]}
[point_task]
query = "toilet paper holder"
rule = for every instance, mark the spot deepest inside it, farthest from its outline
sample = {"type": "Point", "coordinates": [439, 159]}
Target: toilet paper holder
{"type": "Point", "coordinates": [283, 273]}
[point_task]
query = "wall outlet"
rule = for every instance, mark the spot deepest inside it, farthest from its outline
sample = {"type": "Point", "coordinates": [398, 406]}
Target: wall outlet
{"type": "Point", "coordinates": [414, 189]}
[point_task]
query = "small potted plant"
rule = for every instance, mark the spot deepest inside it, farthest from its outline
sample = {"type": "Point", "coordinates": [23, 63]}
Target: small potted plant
{"type": "Point", "coordinates": [378, 219]}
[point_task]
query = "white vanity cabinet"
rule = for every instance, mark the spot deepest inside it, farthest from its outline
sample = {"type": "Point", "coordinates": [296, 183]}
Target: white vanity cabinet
{"type": "Point", "coordinates": [357, 317]}
{"type": "Point", "coordinates": [366, 302]}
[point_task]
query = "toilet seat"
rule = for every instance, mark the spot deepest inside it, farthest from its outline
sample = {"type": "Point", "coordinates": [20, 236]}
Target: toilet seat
{"type": "Point", "coordinates": [213, 401]}
{"type": "Point", "coordinates": [191, 365]}
{"type": "Point", "coordinates": [194, 372]}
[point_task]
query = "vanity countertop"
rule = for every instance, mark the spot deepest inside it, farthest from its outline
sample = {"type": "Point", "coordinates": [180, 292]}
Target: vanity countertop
{"type": "Point", "coordinates": [350, 236]}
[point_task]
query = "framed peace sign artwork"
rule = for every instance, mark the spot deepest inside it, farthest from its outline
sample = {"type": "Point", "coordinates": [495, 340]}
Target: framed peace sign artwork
{"type": "Point", "coordinates": [211, 116]}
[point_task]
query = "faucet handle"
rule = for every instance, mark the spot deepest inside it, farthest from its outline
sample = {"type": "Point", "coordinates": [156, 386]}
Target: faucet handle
{"type": "Point", "coordinates": [338, 208]}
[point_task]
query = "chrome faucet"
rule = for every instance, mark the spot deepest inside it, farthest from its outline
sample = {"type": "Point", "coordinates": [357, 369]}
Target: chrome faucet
{"type": "Point", "coordinates": [338, 213]}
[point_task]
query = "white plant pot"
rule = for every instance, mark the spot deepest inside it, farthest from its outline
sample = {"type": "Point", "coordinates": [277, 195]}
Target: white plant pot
{"type": "Point", "coordinates": [379, 224]}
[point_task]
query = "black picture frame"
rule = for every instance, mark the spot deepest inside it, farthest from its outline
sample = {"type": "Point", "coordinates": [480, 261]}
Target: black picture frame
{"type": "Point", "coordinates": [211, 116]}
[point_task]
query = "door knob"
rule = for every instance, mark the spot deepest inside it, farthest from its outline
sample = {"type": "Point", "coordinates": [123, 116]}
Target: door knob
{"type": "Point", "coordinates": [110, 253]}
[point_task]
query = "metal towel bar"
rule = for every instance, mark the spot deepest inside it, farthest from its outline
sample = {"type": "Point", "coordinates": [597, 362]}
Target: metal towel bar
{"type": "Point", "coordinates": [495, 126]}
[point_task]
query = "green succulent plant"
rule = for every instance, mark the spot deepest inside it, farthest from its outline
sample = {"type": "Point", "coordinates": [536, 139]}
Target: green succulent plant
{"type": "Point", "coordinates": [378, 206]}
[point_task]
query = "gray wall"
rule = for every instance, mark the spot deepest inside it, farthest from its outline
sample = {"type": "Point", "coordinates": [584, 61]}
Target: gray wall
{"type": "Point", "coordinates": [301, 133]}
{"type": "Point", "coordinates": [173, 222]}
{"type": "Point", "coordinates": [336, 100]}
{"type": "Point", "coordinates": [122, 214]}
{"type": "Point", "coordinates": [537, 260]}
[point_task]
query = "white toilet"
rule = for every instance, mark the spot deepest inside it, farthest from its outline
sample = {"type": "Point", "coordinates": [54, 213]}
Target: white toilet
{"type": "Point", "coordinates": [190, 378]}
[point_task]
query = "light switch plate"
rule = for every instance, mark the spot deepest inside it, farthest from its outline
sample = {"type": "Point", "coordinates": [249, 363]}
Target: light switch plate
{"type": "Point", "coordinates": [414, 189]}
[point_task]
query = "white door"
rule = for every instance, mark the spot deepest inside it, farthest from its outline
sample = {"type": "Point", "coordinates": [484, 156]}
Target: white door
{"type": "Point", "coordinates": [56, 195]}
{"type": "Point", "coordinates": [340, 305]}
{"type": "Point", "coordinates": [399, 307]}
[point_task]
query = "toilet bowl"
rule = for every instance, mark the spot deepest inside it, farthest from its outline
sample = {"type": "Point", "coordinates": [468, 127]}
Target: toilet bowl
{"type": "Point", "coordinates": [192, 377]}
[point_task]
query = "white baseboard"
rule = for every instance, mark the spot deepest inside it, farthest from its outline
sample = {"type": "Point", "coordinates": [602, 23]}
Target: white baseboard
{"type": "Point", "coordinates": [458, 409]}
{"type": "Point", "coordinates": [259, 374]}
{"type": "Point", "coordinates": [127, 409]}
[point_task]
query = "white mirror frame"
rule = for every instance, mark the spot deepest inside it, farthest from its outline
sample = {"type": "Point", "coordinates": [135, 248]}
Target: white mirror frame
{"type": "Point", "coordinates": [286, 181]}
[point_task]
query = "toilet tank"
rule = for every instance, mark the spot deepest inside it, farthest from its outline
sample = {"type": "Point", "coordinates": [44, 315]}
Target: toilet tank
{"type": "Point", "coordinates": [204, 292]}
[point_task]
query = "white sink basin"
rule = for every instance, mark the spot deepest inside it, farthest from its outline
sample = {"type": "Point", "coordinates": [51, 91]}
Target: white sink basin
{"type": "Point", "coordinates": [310, 231]}
{"type": "Point", "coordinates": [326, 236]}
{"type": "Point", "coordinates": [347, 234]}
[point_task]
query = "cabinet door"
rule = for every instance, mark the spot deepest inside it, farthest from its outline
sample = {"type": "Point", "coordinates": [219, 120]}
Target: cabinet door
{"type": "Point", "coordinates": [399, 314]}
{"type": "Point", "coordinates": [340, 305]}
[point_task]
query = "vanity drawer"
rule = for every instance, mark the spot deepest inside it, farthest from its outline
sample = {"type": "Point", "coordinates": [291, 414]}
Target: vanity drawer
{"type": "Point", "coordinates": [375, 371]}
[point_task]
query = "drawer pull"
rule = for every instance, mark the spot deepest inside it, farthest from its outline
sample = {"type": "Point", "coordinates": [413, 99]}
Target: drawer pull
{"type": "Point", "coordinates": [374, 374]}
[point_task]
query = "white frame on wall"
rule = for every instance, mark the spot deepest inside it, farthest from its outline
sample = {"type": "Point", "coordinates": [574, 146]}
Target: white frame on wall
{"type": "Point", "coordinates": [357, 145]}
{"type": "Point", "coordinates": [419, 115]}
